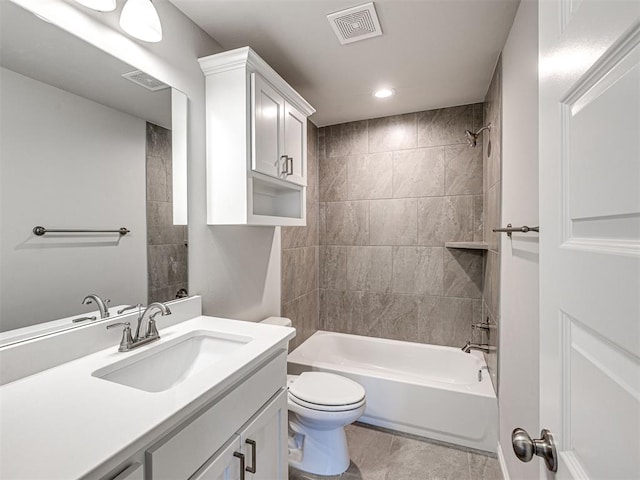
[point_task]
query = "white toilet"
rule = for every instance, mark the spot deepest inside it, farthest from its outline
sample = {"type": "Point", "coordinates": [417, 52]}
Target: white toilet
{"type": "Point", "coordinates": [320, 406]}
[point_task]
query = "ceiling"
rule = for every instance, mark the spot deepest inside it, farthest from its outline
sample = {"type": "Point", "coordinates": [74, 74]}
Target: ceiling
{"type": "Point", "coordinates": [434, 53]}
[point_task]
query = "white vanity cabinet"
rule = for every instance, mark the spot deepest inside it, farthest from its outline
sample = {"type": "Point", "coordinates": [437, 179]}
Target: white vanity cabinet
{"type": "Point", "coordinates": [259, 449]}
{"type": "Point", "coordinates": [256, 143]}
{"type": "Point", "coordinates": [247, 426]}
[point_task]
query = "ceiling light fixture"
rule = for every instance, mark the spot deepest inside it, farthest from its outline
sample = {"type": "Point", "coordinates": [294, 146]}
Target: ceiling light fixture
{"type": "Point", "coordinates": [384, 93]}
{"type": "Point", "coordinates": [139, 18]}
{"type": "Point", "coordinates": [99, 5]}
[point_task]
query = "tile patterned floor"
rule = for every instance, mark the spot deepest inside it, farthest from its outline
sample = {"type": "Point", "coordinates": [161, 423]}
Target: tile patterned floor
{"type": "Point", "coordinates": [385, 455]}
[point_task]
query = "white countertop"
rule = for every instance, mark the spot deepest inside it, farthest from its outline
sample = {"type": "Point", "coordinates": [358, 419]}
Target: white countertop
{"type": "Point", "coordinates": [63, 422]}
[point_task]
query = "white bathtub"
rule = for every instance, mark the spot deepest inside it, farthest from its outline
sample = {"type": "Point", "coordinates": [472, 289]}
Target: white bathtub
{"type": "Point", "coordinates": [425, 390]}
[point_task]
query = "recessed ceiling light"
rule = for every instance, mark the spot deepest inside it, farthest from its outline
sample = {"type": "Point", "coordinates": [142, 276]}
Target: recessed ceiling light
{"type": "Point", "coordinates": [384, 93]}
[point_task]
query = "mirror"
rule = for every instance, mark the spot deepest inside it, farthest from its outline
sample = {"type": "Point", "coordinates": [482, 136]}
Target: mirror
{"type": "Point", "coordinates": [84, 147]}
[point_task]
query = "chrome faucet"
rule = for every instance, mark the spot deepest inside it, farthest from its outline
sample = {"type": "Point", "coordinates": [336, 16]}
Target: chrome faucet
{"type": "Point", "coordinates": [102, 304]}
{"type": "Point", "coordinates": [151, 324]}
{"type": "Point", "coordinates": [474, 346]}
{"type": "Point", "coordinates": [130, 342]}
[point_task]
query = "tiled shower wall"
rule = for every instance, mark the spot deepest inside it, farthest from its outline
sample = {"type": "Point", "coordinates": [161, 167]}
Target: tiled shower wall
{"type": "Point", "coordinates": [300, 256]}
{"type": "Point", "coordinates": [167, 243]}
{"type": "Point", "coordinates": [492, 154]}
{"type": "Point", "coordinates": [392, 191]}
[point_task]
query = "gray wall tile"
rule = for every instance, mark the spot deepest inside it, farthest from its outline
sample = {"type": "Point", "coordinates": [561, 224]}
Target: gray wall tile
{"type": "Point", "coordinates": [333, 179]}
{"type": "Point", "coordinates": [369, 268]}
{"type": "Point", "coordinates": [394, 222]}
{"type": "Point", "coordinates": [346, 139]}
{"type": "Point", "coordinates": [369, 176]}
{"type": "Point", "coordinates": [303, 312]}
{"type": "Point", "coordinates": [445, 320]}
{"type": "Point", "coordinates": [478, 218]}
{"type": "Point", "coordinates": [445, 219]}
{"type": "Point", "coordinates": [492, 216]}
{"type": "Point", "coordinates": [418, 270]}
{"type": "Point", "coordinates": [322, 223]}
{"type": "Point", "coordinates": [418, 172]}
{"type": "Point", "coordinates": [403, 203]}
{"type": "Point", "coordinates": [463, 273]}
{"type": "Point", "coordinates": [347, 223]}
{"type": "Point", "coordinates": [398, 132]}
{"type": "Point", "coordinates": [463, 170]}
{"type": "Point", "coordinates": [333, 267]}
{"type": "Point", "coordinates": [445, 126]}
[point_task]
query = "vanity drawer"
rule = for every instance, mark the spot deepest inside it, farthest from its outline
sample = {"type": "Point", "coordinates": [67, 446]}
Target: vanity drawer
{"type": "Point", "coordinates": [182, 453]}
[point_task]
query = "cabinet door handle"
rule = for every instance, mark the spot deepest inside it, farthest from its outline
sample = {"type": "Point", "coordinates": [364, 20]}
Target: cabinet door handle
{"type": "Point", "coordinates": [252, 468]}
{"type": "Point", "coordinates": [242, 468]}
{"type": "Point", "coordinates": [285, 165]}
{"type": "Point", "coordinates": [290, 164]}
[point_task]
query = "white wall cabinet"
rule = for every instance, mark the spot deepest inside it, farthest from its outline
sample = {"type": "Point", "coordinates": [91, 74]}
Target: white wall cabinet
{"type": "Point", "coordinates": [256, 143]}
{"type": "Point", "coordinates": [279, 134]}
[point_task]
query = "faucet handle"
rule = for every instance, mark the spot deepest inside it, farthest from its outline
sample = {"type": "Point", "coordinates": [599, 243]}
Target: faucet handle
{"type": "Point", "coordinates": [127, 339]}
{"type": "Point", "coordinates": [152, 330]}
{"type": "Point", "coordinates": [130, 307]}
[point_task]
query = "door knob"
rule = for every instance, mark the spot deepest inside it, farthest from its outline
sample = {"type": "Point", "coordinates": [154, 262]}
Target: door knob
{"type": "Point", "coordinates": [544, 447]}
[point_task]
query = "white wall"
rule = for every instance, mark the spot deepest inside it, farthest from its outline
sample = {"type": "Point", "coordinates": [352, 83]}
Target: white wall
{"type": "Point", "coordinates": [518, 395]}
{"type": "Point", "coordinates": [67, 162]}
{"type": "Point", "coordinates": [236, 270]}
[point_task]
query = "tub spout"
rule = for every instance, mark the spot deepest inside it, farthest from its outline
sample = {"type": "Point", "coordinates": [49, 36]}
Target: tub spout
{"type": "Point", "coordinates": [483, 348]}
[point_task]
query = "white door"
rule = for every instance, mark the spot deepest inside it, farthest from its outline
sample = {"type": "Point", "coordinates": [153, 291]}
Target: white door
{"type": "Point", "coordinates": [295, 140]}
{"type": "Point", "coordinates": [267, 129]}
{"type": "Point", "coordinates": [590, 236]}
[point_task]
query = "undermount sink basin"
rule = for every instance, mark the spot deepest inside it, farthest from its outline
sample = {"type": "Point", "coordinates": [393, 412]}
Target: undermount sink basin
{"type": "Point", "coordinates": [171, 363]}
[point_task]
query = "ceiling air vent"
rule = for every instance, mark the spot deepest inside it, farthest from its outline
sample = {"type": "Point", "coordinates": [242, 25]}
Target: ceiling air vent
{"type": "Point", "coordinates": [356, 23]}
{"type": "Point", "coordinates": [145, 80]}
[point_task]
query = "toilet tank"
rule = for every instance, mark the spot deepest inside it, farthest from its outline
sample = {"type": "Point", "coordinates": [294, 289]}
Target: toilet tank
{"type": "Point", "coordinates": [280, 321]}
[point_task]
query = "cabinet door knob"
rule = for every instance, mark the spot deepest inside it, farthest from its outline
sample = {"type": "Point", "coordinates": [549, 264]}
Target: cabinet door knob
{"type": "Point", "coordinates": [242, 469]}
{"type": "Point", "coordinates": [252, 468]}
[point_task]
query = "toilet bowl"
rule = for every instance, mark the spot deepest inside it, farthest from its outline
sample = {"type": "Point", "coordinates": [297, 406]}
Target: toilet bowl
{"type": "Point", "coordinates": [320, 406]}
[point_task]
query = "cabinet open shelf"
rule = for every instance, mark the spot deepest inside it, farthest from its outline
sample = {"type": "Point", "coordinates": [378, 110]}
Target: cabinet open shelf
{"type": "Point", "coordinates": [274, 203]}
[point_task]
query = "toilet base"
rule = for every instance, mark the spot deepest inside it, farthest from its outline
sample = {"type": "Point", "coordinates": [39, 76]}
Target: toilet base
{"type": "Point", "coordinates": [321, 452]}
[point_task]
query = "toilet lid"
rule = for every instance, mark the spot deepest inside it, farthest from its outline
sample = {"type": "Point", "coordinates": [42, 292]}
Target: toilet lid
{"type": "Point", "coordinates": [322, 388]}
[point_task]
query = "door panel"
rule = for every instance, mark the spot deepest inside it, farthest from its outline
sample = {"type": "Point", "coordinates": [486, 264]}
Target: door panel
{"type": "Point", "coordinates": [268, 430]}
{"type": "Point", "coordinates": [590, 235]}
{"type": "Point", "coordinates": [223, 465]}
{"type": "Point", "coordinates": [295, 130]}
{"type": "Point", "coordinates": [267, 128]}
